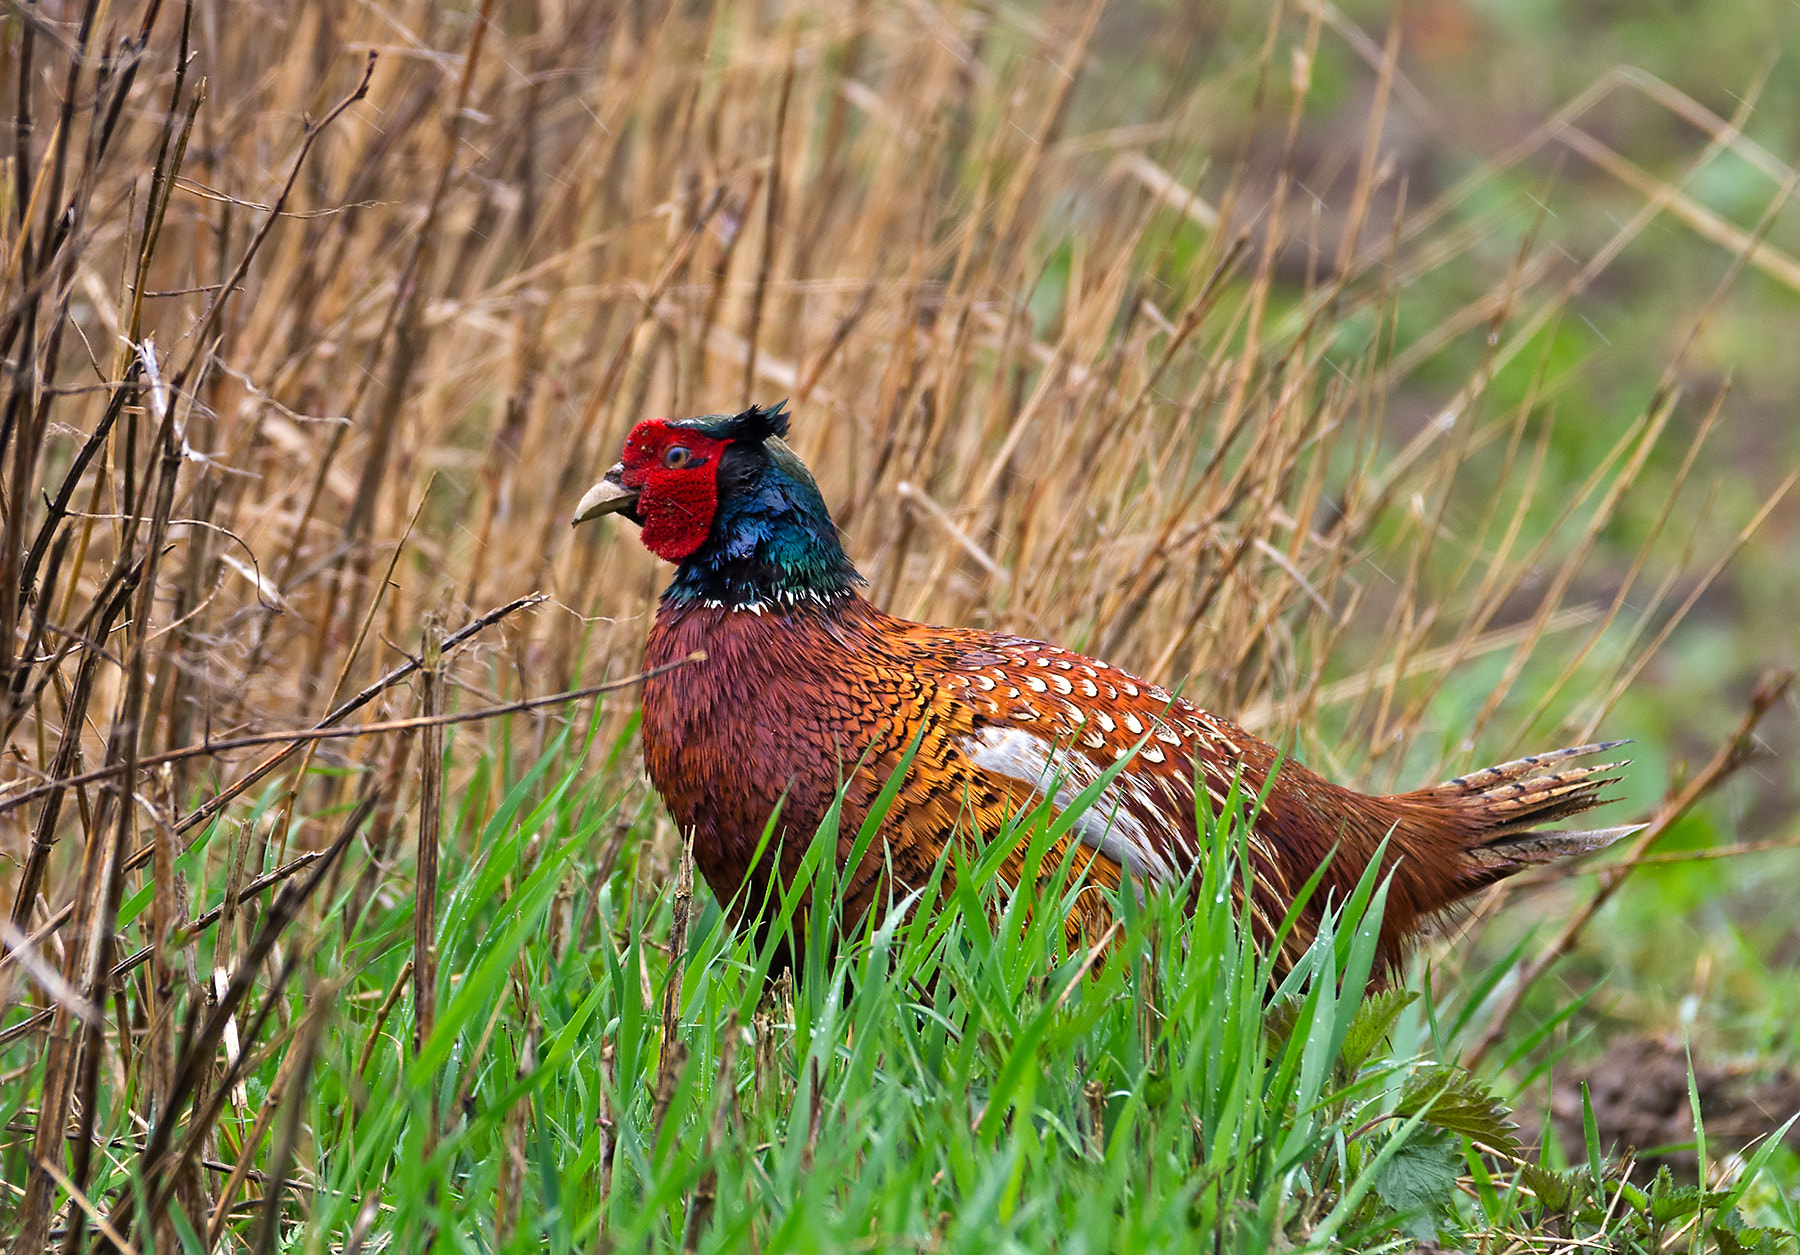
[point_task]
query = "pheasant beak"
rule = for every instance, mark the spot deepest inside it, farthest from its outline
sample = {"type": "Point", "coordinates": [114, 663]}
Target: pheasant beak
{"type": "Point", "coordinates": [609, 496]}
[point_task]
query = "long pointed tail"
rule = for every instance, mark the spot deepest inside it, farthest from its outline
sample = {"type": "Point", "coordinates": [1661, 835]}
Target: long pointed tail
{"type": "Point", "coordinates": [1499, 813]}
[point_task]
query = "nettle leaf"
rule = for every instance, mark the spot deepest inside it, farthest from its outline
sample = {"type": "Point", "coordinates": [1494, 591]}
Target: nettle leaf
{"type": "Point", "coordinates": [1555, 1191]}
{"type": "Point", "coordinates": [1374, 1021]}
{"type": "Point", "coordinates": [1669, 1202]}
{"type": "Point", "coordinates": [1746, 1241]}
{"type": "Point", "coordinates": [1731, 1236]}
{"type": "Point", "coordinates": [1418, 1180]}
{"type": "Point", "coordinates": [1453, 1099]}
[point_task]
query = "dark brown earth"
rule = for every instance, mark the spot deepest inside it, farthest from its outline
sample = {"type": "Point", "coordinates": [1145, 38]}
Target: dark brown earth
{"type": "Point", "coordinates": [1640, 1094]}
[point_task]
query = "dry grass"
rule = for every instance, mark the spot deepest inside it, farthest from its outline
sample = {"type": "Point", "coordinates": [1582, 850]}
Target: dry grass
{"type": "Point", "coordinates": [306, 356]}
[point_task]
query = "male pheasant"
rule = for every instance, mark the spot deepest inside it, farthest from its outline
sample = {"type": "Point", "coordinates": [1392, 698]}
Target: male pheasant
{"type": "Point", "coordinates": [806, 688]}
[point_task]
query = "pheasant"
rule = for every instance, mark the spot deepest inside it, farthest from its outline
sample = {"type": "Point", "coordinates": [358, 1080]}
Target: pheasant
{"type": "Point", "coordinates": [806, 688]}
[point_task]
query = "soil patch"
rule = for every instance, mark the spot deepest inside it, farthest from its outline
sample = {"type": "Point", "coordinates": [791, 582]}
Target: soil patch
{"type": "Point", "coordinates": [1639, 1089]}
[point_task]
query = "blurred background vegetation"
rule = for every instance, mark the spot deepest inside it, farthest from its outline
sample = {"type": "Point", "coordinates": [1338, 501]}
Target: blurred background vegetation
{"type": "Point", "coordinates": [1486, 77]}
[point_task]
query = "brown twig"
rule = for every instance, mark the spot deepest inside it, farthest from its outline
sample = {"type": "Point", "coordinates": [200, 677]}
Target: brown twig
{"type": "Point", "coordinates": [262, 769]}
{"type": "Point", "coordinates": [1557, 875]}
{"type": "Point", "coordinates": [294, 1110]}
{"type": "Point", "coordinates": [381, 1017]}
{"type": "Point", "coordinates": [772, 206]}
{"type": "Point", "coordinates": [161, 1164]}
{"type": "Point", "coordinates": [1737, 750]}
{"type": "Point", "coordinates": [218, 802]}
{"type": "Point", "coordinates": [425, 888]}
{"type": "Point", "coordinates": [203, 333]}
{"type": "Point", "coordinates": [674, 1053]}
{"type": "Point", "coordinates": [295, 737]}
{"type": "Point", "coordinates": [143, 854]}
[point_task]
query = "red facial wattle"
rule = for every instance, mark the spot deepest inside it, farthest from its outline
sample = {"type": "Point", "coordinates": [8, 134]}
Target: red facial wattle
{"type": "Point", "coordinates": [676, 503]}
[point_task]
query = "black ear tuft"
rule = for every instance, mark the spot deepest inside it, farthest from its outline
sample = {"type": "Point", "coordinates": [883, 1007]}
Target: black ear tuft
{"type": "Point", "coordinates": [754, 425]}
{"type": "Point", "coordinates": [761, 422]}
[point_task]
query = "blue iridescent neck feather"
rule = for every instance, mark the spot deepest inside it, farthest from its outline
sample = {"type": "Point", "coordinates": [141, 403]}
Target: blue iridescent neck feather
{"type": "Point", "coordinates": [772, 542]}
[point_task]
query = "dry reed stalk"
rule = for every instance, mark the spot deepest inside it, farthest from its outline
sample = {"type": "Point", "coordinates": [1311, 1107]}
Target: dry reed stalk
{"type": "Point", "coordinates": [1096, 373]}
{"type": "Point", "coordinates": [425, 874]}
{"type": "Point", "coordinates": [674, 1053]}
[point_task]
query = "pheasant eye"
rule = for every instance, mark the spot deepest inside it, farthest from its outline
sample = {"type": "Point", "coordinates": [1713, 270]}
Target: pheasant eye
{"type": "Point", "coordinates": [677, 457]}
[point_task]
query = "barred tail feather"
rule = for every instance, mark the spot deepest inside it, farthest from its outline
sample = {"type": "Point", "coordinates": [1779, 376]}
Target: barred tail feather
{"type": "Point", "coordinates": [1512, 854]}
{"type": "Point", "coordinates": [1499, 815]}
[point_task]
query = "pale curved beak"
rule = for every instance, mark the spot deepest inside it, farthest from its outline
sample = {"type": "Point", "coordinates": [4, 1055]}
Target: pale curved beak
{"type": "Point", "coordinates": [609, 496]}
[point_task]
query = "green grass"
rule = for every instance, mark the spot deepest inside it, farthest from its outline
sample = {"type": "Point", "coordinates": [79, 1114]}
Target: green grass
{"type": "Point", "coordinates": [945, 1077]}
{"type": "Point", "coordinates": [932, 278]}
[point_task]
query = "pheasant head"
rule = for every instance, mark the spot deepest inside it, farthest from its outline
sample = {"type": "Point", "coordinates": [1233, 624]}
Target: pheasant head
{"type": "Point", "coordinates": [725, 499]}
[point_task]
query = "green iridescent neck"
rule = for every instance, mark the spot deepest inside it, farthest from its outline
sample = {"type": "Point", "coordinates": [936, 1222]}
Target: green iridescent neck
{"type": "Point", "coordinates": [772, 541]}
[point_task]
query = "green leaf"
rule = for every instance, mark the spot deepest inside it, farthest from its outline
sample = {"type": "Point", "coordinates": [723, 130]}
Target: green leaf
{"type": "Point", "coordinates": [1590, 1134]}
{"type": "Point", "coordinates": [1670, 1202]}
{"type": "Point", "coordinates": [1418, 1181]}
{"type": "Point", "coordinates": [1555, 1191]}
{"type": "Point", "coordinates": [1374, 1021]}
{"type": "Point", "coordinates": [1454, 1100]}
{"type": "Point", "coordinates": [1733, 1239]}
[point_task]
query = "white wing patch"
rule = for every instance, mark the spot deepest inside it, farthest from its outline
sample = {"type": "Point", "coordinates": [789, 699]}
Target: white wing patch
{"type": "Point", "coordinates": [1111, 825]}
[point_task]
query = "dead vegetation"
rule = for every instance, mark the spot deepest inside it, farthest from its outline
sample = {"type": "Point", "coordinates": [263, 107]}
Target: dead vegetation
{"type": "Point", "coordinates": [317, 319]}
